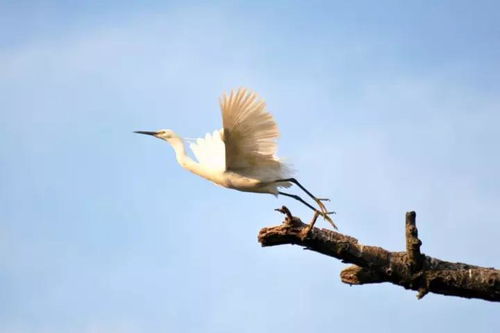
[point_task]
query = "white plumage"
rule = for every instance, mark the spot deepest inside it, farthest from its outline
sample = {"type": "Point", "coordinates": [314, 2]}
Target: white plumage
{"type": "Point", "coordinates": [210, 151]}
{"type": "Point", "coordinates": [246, 146]}
{"type": "Point", "coordinates": [241, 155]}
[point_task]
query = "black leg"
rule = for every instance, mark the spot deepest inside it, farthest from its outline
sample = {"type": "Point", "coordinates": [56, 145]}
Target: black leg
{"type": "Point", "coordinates": [296, 197]}
{"type": "Point", "coordinates": [317, 200]}
{"type": "Point", "coordinates": [296, 182]}
{"type": "Point", "coordinates": [324, 212]}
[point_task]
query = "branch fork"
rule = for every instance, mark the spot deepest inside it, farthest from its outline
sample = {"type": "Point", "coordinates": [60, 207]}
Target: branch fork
{"type": "Point", "coordinates": [372, 264]}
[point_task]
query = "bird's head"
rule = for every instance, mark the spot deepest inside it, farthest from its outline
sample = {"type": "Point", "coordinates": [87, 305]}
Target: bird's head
{"type": "Point", "coordinates": [164, 134]}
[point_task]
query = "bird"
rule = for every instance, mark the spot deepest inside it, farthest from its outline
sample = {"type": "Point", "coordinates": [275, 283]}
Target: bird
{"type": "Point", "coordinates": [241, 155]}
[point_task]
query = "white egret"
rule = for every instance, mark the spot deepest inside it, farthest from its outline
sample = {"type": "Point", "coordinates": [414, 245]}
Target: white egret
{"type": "Point", "coordinates": [241, 155]}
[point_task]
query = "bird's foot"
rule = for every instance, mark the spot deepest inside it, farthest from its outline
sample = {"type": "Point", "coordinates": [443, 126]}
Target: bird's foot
{"type": "Point", "coordinates": [321, 205]}
{"type": "Point", "coordinates": [324, 212]}
{"type": "Point", "coordinates": [329, 220]}
{"type": "Point", "coordinates": [311, 224]}
{"type": "Point", "coordinates": [315, 217]}
{"type": "Point", "coordinates": [323, 199]}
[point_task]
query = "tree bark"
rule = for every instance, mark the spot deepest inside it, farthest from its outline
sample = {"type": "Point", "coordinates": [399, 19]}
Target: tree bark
{"type": "Point", "coordinates": [372, 264]}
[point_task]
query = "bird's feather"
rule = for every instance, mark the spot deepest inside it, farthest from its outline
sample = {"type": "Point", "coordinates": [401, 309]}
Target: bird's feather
{"type": "Point", "coordinates": [250, 135]}
{"type": "Point", "coordinates": [210, 151]}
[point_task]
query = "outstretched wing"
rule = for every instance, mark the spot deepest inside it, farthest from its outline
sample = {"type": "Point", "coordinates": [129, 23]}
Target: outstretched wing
{"type": "Point", "coordinates": [209, 151]}
{"type": "Point", "coordinates": [250, 134]}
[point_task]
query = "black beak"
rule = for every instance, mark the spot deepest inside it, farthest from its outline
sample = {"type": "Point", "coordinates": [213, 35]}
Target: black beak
{"type": "Point", "coordinates": [146, 132]}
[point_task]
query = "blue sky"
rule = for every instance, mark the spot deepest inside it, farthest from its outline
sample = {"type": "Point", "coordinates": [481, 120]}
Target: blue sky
{"type": "Point", "coordinates": [383, 106]}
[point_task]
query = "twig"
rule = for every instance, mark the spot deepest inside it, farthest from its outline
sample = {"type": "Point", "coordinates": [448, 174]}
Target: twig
{"type": "Point", "coordinates": [413, 244]}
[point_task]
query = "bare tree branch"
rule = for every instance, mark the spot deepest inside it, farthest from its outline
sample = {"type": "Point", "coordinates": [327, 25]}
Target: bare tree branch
{"type": "Point", "coordinates": [372, 264]}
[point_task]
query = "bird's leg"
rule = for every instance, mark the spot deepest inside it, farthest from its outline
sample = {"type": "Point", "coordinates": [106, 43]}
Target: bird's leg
{"type": "Point", "coordinates": [296, 197]}
{"type": "Point", "coordinates": [318, 201]}
{"type": "Point", "coordinates": [322, 213]}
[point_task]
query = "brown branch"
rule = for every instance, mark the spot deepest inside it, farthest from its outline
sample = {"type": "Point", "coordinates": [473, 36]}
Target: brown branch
{"type": "Point", "coordinates": [372, 264]}
{"type": "Point", "coordinates": [415, 258]}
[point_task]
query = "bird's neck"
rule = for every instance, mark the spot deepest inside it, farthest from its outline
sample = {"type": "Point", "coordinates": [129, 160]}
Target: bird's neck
{"type": "Point", "coordinates": [184, 160]}
{"type": "Point", "coordinates": [180, 152]}
{"type": "Point", "coordinates": [187, 163]}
